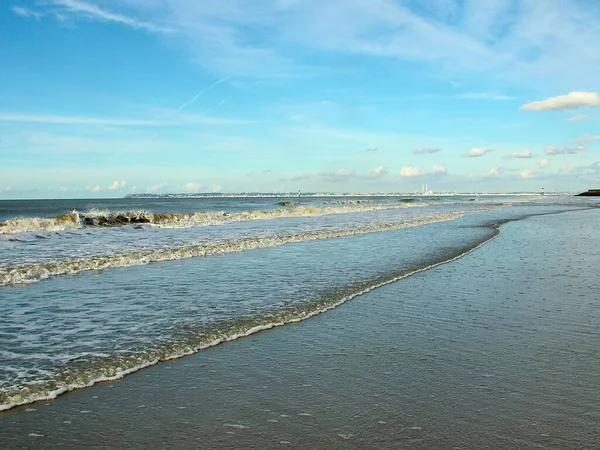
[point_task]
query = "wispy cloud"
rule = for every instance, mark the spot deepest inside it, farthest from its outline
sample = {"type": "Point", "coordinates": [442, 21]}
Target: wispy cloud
{"type": "Point", "coordinates": [483, 96]}
{"type": "Point", "coordinates": [477, 152]}
{"type": "Point", "coordinates": [589, 138]}
{"type": "Point", "coordinates": [578, 118]}
{"type": "Point", "coordinates": [338, 175]}
{"type": "Point", "coordinates": [201, 93]}
{"type": "Point", "coordinates": [91, 11]}
{"type": "Point", "coordinates": [426, 151]}
{"type": "Point", "coordinates": [25, 12]}
{"type": "Point", "coordinates": [527, 173]}
{"type": "Point", "coordinates": [553, 150]}
{"type": "Point", "coordinates": [218, 105]}
{"type": "Point", "coordinates": [525, 154]}
{"type": "Point", "coordinates": [511, 39]}
{"type": "Point", "coordinates": [572, 100]}
{"type": "Point", "coordinates": [177, 120]}
{"type": "Point", "coordinates": [158, 187]}
{"type": "Point", "coordinates": [80, 120]}
{"type": "Point", "coordinates": [591, 171]}
{"type": "Point", "coordinates": [492, 173]}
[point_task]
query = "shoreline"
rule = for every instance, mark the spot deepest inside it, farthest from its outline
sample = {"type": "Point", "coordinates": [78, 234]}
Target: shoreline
{"type": "Point", "coordinates": [438, 360]}
{"type": "Point", "coordinates": [253, 330]}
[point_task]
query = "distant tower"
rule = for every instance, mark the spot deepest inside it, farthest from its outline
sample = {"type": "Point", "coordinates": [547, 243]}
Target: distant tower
{"type": "Point", "coordinates": [542, 191]}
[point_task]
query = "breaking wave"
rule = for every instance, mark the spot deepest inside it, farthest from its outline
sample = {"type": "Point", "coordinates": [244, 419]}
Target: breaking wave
{"type": "Point", "coordinates": [36, 224]}
{"type": "Point", "coordinates": [34, 272]}
{"type": "Point", "coordinates": [103, 218]}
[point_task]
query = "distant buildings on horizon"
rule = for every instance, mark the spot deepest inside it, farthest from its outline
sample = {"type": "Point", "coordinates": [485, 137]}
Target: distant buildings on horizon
{"type": "Point", "coordinates": [425, 192]}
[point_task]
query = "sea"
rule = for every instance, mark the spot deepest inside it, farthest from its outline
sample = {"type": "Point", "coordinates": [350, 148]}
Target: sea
{"type": "Point", "coordinates": [93, 290]}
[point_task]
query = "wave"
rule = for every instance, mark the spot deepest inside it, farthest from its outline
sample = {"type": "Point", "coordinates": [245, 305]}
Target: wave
{"type": "Point", "coordinates": [37, 224]}
{"type": "Point", "coordinates": [102, 218]}
{"type": "Point", "coordinates": [35, 272]}
{"type": "Point", "coordinates": [87, 372]}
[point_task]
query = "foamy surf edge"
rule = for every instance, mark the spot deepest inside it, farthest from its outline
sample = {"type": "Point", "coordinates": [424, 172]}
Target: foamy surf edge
{"type": "Point", "coordinates": [25, 274]}
{"type": "Point", "coordinates": [232, 337]}
{"type": "Point", "coordinates": [96, 218]}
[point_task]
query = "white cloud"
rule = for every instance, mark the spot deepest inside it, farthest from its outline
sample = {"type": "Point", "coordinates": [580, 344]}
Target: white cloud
{"type": "Point", "coordinates": [525, 154]}
{"type": "Point", "coordinates": [193, 187]}
{"type": "Point", "coordinates": [215, 188]}
{"type": "Point", "coordinates": [378, 172]}
{"type": "Point", "coordinates": [572, 100]}
{"type": "Point", "coordinates": [492, 173]}
{"type": "Point", "coordinates": [578, 118]}
{"type": "Point", "coordinates": [410, 171]}
{"type": "Point", "coordinates": [116, 185]}
{"type": "Point", "coordinates": [527, 173]}
{"type": "Point", "coordinates": [344, 172]}
{"type": "Point", "coordinates": [157, 187]}
{"type": "Point", "coordinates": [476, 152]}
{"type": "Point", "coordinates": [439, 170]}
{"type": "Point", "coordinates": [418, 171]}
{"type": "Point", "coordinates": [95, 188]}
{"type": "Point", "coordinates": [426, 151]}
{"type": "Point", "coordinates": [543, 163]}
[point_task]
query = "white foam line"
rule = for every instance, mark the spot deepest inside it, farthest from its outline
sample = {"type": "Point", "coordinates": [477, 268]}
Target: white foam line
{"type": "Point", "coordinates": [37, 272]}
{"type": "Point", "coordinates": [76, 220]}
{"type": "Point", "coordinates": [253, 330]}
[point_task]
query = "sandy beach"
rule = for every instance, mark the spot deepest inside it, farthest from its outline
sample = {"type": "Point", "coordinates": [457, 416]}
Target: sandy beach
{"type": "Point", "coordinates": [498, 349]}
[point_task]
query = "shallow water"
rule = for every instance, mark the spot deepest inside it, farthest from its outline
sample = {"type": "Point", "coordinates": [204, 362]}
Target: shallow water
{"type": "Point", "coordinates": [87, 325]}
{"type": "Point", "coordinates": [497, 349]}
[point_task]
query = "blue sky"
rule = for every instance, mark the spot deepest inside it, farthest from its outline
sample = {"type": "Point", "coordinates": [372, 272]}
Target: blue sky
{"type": "Point", "coordinates": [100, 98]}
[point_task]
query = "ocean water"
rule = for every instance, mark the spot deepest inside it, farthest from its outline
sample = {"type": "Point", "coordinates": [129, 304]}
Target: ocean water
{"type": "Point", "coordinates": [94, 290]}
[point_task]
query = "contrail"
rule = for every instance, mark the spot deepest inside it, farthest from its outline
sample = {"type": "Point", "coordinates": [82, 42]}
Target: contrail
{"type": "Point", "coordinates": [202, 92]}
{"type": "Point", "coordinates": [217, 105]}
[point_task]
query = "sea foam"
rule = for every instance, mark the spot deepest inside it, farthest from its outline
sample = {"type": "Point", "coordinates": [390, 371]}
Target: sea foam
{"type": "Point", "coordinates": [35, 272]}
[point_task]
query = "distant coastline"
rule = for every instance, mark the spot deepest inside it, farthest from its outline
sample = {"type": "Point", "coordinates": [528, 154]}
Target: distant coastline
{"type": "Point", "coordinates": [327, 194]}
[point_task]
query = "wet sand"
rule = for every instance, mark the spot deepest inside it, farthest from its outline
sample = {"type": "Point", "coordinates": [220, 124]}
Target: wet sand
{"type": "Point", "coordinates": [499, 349]}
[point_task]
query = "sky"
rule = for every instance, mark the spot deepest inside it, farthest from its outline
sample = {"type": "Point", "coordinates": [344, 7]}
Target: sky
{"type": "Point", "coordinates": [102, 98]}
